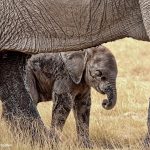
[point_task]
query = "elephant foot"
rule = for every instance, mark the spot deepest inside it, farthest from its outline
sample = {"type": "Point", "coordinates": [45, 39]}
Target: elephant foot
{"type": "Point", "coordinates": [55, 136]}
{"type": "Point", "coordinates": [19, 110]}
{"type": "Point", "coordinates": [25, 129]}
{"type": "Point", "coordinates": [86, 144]}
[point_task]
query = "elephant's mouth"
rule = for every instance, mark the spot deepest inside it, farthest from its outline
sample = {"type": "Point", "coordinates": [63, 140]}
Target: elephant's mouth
{"type": "Point", "coordinates": [100, 91]}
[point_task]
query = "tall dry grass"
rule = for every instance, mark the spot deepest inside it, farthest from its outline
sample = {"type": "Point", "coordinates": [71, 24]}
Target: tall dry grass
{"type": "Point", "coordinates": [124, 127]}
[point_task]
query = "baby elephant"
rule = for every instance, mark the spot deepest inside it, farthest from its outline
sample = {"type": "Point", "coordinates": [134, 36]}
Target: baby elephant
{"type": "Point", "coordinates": [67, 78]}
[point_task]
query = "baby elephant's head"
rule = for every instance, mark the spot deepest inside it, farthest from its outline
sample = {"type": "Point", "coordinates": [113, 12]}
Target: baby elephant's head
{"type": "Point", "coordinates": [101, 73]}
{"type": "Point", "coordinates": [97, 66]}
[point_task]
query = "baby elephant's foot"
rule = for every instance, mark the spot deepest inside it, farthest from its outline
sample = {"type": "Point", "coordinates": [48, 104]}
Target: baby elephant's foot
{"type": "Point", "coordinates": [86, 144]}
{"type": "Point", "coordinates": [55, 138]}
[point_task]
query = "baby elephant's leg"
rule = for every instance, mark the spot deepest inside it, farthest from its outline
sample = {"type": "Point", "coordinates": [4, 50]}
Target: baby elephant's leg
{"type": "Point", "coordinates": [62, 104]}
{"type": "Point", "coordinates": [82, 107]}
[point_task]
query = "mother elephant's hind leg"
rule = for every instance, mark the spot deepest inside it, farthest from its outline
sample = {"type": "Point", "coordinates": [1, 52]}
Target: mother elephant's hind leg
{"type": "Point", "coordinates": [147, 139]}
{"type": "Point", "coordinates": [18, 108]}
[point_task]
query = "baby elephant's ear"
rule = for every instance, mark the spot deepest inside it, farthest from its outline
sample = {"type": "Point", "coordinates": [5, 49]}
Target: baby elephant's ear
{"type": "Point", "coordinates": [75, 64]}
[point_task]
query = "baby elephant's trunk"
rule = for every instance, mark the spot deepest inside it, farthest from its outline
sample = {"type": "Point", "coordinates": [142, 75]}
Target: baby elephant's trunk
{"type": "Point", "coordinates": [110, 102]}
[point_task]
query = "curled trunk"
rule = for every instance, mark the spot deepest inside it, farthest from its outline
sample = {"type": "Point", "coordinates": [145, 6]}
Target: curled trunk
{"type": "Point", "coordinates": [110, 102]}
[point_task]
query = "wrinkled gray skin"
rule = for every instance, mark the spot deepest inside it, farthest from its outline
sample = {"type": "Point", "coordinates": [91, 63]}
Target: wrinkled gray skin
{"type": "Point", "coordinates": [66, 78]}
{"type": "Point", "coordinates": [33, 26]}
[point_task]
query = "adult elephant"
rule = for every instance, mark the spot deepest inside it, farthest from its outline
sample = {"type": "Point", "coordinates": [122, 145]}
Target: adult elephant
{"type": "Point", "coordinates": [34, 26]}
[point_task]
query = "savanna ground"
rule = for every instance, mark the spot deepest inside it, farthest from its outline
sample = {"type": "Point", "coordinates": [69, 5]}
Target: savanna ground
{"type": "Point", "coordinates": [122, 128]}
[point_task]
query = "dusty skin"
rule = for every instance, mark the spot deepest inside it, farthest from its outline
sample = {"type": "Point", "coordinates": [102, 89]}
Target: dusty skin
{"type": "Point", "coordinates": [122, 128]}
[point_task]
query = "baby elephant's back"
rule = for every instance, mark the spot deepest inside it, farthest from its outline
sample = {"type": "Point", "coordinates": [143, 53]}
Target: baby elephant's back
{"type": "Point", "coordinates": [49, 64]}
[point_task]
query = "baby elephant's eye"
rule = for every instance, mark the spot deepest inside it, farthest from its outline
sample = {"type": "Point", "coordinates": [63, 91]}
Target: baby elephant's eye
{"type": "Point", "coordinates": [98, 73]}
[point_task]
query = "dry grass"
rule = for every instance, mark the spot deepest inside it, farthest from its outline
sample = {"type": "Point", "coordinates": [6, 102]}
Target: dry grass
{"type": "Point", "coordinates": [121, 128]}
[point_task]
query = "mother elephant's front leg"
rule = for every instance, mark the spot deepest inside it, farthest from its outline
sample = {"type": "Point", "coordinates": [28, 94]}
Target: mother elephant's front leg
{"type": "Point", "coordinates": [18, 108]}
{"type": "Point", "coordinates": [82, 107]}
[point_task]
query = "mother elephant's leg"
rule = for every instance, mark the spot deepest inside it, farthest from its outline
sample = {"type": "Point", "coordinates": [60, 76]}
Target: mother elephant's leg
{"type": "Point", "coordinates": [18, 108]}
{"type": "Point", "coordinates": [147, 139]}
